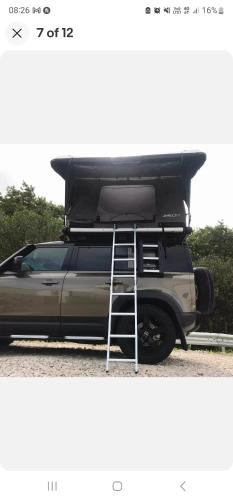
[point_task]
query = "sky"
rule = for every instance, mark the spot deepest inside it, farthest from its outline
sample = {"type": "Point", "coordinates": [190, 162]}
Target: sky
{"type": "Point", "coordinates": [212, 187]}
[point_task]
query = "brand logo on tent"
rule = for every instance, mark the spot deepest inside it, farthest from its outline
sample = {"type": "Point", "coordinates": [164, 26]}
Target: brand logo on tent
{"type": "Point", "coordinates": [171, 215]}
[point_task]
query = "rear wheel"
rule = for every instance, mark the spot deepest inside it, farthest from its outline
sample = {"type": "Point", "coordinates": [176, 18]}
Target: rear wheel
{"type": "Point", "coordinates": [156, 334]}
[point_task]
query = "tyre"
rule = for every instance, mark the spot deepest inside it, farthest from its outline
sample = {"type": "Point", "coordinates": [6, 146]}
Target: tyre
{"type": "Point", "coordinates": [205, 290]}
{"type": "Point", "coordinates": [156, 334]}
{"type": "Point", "coordinates": [5, 342]}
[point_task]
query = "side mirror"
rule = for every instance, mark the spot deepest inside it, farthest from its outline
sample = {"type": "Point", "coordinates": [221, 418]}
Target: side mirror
{"type": "Point", "coordinates": [17, 263]}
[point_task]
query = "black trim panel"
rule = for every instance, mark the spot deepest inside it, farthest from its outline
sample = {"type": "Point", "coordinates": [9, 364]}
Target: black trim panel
{"type": "Point", "coordinates": [186, 320]}
{"type": "Point", "coordinates": [10, 325]}
{"type": "Point", "coordinates": [72, 325]}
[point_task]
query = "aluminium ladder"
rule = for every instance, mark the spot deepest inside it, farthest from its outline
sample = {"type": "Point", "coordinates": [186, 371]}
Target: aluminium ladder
{"type": "Point", "coordinates": [133, 294]}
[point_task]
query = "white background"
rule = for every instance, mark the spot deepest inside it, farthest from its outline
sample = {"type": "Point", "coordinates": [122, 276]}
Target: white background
{"type": "Point", "coordinates": [150, 97]}
{"type": "Point", "coordinates": [116, 424]}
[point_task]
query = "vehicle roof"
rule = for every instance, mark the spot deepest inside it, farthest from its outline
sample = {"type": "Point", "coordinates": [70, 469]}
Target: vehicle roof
{"type": "Point", "coordinates": [59, 242]}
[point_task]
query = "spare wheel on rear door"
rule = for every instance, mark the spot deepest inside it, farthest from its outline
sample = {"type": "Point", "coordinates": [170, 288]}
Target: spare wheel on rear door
{"type": "Point", "coordinates": [205, 290]}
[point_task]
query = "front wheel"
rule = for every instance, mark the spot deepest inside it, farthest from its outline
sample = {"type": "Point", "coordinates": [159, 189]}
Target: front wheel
{"type": "Point", "coordinates": [156, 334]}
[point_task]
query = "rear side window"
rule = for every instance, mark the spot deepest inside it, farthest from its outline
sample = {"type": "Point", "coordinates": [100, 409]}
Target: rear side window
{"type": "Point", "coordinates": [176, 258]}
{"type": "Point", "coordinates": [100, 259]}
{"type": "Point", "coordinates": [44, 259]}
{"type": "Point", "coordinates": [93, 259]}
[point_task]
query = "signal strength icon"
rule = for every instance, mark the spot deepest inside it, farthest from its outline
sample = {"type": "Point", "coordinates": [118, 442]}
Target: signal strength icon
{"type": "Point", "coordinates": [196, 11]}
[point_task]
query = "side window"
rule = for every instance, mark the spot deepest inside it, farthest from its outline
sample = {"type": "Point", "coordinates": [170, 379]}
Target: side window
{"type": "Point", "coordinates": [124, 253]}
{"type": "Point", "coordinates": [177, 258]}
{"type": "Point", "coordinates": [44, 259]}
{"type": "Point", "coordinates": [99, 259]}
{"type": "Point", "coordinates": [93, 259]}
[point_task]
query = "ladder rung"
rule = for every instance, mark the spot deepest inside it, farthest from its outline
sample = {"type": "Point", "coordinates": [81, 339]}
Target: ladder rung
{"type": "Point", "coordinates": [123, 275]}
{"type": "Point", "coordinates": [124, 245]}
{"type": "Point", "coordinates": [122, 293]}
{"type": "Point", "coordinates": [123, 336]}
{"type": "Point", "coordinates": [151, 271]}
{"type": "Point", "coordinates": [150, 258]}
{"type": "Point", "coordinates": [150, 246]}
{"type": "Point", "coordinates": [123, 360]}
{"type": "Point", "coordinates": [122, 259]}
{"type": "Point", "coordinates": [122, 314]}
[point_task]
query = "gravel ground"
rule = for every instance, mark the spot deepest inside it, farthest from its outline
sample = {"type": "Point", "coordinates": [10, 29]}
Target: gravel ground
{"type": "Point", "coordinates": [56, 359]}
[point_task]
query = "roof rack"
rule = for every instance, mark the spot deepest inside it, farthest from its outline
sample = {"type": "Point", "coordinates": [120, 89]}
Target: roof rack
{"type": "Point", "coordinates": [127, 229]}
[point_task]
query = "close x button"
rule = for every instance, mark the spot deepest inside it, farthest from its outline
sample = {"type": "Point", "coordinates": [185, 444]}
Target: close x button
{"type": "Point", "coordinates": [17, 33]}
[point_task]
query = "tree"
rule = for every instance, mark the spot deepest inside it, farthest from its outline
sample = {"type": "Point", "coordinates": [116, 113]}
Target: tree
{"type": "Point", "coordinates": [215, 241]}
{"type": "Point", "coordinates": [212, 247]}
{"type": "Point", "coordinates": [27, 218]}
{"type": "Point", "coordinates": [25, 198]}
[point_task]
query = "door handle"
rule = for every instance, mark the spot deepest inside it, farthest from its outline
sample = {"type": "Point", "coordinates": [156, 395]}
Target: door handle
{"type": "Point", "coordinates": [50, 283]}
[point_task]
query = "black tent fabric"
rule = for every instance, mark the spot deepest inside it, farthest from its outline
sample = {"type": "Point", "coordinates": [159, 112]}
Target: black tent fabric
{"type": "Point", "coordinates": [151, 189]}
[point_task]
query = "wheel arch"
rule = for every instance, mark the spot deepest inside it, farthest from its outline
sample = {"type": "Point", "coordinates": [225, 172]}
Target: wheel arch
{"type": "Point", "coordinates": [161, 300]}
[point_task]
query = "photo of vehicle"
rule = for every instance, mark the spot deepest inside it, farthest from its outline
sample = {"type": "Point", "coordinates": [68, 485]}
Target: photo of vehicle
{"type": "Point", "coordinates": [121, 273]}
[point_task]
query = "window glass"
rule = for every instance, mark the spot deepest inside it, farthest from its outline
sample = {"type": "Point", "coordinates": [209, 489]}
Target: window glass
{"type": "Point", "coordinates": [99, 259]}
{"type": "Point", "coordinates": [93, 259]}
{"type": "Point", "coordinates": [177, 259]}
{"type": "Point", "coordinates": [124, 252]}
{"type": "Point", "coordinates": [44, 259]}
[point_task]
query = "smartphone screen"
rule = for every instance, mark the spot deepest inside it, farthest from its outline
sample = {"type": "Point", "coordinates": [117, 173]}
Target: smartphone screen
{"type": "Point", "coordinates": [116, 249]}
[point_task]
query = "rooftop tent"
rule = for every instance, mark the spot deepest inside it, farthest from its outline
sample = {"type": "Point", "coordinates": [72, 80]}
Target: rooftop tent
{"type": "Point", "coordinates": [152, 190]}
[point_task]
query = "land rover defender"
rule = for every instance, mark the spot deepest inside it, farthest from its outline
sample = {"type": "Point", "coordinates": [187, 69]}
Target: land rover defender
{"type": "Point", "coordinates": [61, 290]}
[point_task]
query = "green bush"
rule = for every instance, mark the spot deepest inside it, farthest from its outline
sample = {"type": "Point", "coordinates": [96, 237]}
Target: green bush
{"type": "Point", "coordinates": [26, 218]}
{"type": "Point", "coordinates": [212, 247]}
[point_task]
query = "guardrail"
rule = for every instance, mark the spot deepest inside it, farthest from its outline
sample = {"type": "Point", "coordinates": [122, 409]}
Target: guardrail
{"type": "Point", "coordinates": [206, 339]}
